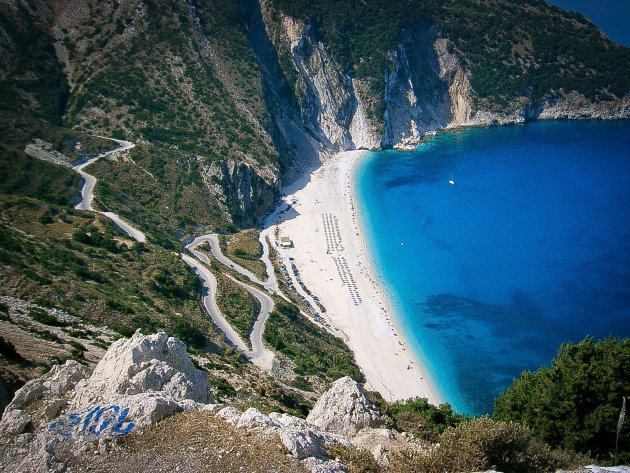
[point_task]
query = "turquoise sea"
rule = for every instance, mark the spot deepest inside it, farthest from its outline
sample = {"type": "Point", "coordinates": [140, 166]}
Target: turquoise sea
{"type": "Point", "coordinates": [528, 249]}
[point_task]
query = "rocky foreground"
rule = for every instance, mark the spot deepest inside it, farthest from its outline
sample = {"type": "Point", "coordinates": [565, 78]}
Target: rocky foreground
{"type": "Point", "coordinates": [76, 417]}
{"type": "Point", "coordinates": [145, 407]}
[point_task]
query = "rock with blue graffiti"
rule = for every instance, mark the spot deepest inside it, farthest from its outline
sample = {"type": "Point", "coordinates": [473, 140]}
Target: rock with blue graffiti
{"type": "Point", "coordinates": [94, 422]}
{"type": "Point", "coordinates": [73, 409]}
{"type": "Point", "coordinates": [51, 391]}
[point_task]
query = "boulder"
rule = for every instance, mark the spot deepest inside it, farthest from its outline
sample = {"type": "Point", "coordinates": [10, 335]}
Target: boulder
{"type": "Point", "coordinates": [344, 409]}
{"type": "Point", "coordinates": [385, 444]}
{"type": "Point", "coordinates": [301, 438]}
{"type": "Point", "coordinates": [55, 384]}
{"type": "Point", "coordinates": [152, 363]}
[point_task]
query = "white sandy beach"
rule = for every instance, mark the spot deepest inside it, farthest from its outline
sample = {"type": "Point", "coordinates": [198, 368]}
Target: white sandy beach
{"type": "Point", "coordinates": [331, 256]}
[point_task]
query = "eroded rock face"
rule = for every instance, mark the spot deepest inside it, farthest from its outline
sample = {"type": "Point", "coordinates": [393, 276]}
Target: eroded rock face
{"type": "Point", "coordinates": [344, 409]}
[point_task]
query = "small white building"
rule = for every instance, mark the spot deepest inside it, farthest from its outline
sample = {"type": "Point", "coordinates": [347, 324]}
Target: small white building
{"type": "Point", "coordinates": [285, 242]}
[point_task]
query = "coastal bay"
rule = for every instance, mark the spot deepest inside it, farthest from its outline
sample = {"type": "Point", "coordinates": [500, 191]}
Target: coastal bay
{"type": "Point", "coordinates": [526, 250]}
{"type": "Point", "coordinates": [329, 253]}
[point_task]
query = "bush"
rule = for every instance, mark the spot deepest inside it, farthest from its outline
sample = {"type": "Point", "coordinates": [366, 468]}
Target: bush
{"type": "Point", "coordinates": [313, 350]}
{"type": "Point", "coordinates": [239, 253]}
{"type": "Point", "coordinates": [8, 350]}
{"type": "Point", "coordinates": [188, 334]}
{"type": "Point", "coordinates": [422, 419]}
{"type": "Point", "coordinates": [482, 444]}
{"type": "Point", "coordinates": [575, 404]}
{"type": "Point", "coordinates": [357, 461]}
{"type": "Point", "coordinates": [45, 318]}
{"type": "Point", "coordinates": [123, 330]}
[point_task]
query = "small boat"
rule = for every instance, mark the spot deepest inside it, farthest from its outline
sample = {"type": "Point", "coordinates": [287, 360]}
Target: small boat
{"type": "Point", "coordinates": [451, 181]}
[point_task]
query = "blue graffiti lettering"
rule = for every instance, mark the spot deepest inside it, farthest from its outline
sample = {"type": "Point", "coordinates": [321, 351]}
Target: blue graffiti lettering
{"type": "Point", "coordinates": [94, 421]}
{"type": "Point", "coordinates": [97, 430]}
{"type": "Point", "coordinates": [88, 418]}
{"type": "Point", "coordinates": [121, 418]}
{"type": "Point", "coordinates": [56, 428]}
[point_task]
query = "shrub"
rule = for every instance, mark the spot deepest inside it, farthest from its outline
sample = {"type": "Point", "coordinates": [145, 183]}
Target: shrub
{"type": "Point", "coordinates": [357, 461]}
{"type": "Point", "coordinates": [482, 444]}
{"type": "Point", "coordinates": [8, 350]}
{"type": "Point", "coordinates": [123, 330]}
{"type": "Point", "coordinates": [188, 334]}
{"type": "Point", "coordinates": [575, 404]}
{"type": "Point", "coordinates": [45, 318]}
{"type": "Point", "coordinates": [425, 420]}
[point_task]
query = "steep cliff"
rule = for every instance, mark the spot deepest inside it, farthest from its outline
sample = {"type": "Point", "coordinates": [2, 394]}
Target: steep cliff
{"type": "Point", "coordinates": [280, 84]}
{"type": "Point", "coordinates": [364, 82]}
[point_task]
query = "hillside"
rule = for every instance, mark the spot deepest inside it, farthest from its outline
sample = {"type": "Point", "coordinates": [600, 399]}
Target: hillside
{"type": "Point", "coordinates": [225, 102]}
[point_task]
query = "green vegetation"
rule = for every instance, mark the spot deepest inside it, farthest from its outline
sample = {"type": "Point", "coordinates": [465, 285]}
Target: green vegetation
{"type": "Point", "coordinates": [422, 419]}
{"type": "Point", "coordinates": [357, 461]}
{"type": "Point", "coordinates": [518, 49]}
{"type": "Point", "coordinates": [576, 403]}
{"type": "Point", "coordinates": [245, 249]}
{"type": "Point", "coordinates": [482, 444]}
{"type": "Point", "coordinates": [236, 304]}
{"type": "Point", "coordinates": [125, 286]}
{"type": "Point", "coordinates": [8, 351]}
{"type": "Point", "coordinates": [188, 334]}
{"type": "Point", "coordinates": [314, 351]}
{"type": "Point", "coordinates": [33, 77]}
{"type": "Point", "coordinates": [41, 316]}
{"type": "Point", "coordinates": [186, 88]}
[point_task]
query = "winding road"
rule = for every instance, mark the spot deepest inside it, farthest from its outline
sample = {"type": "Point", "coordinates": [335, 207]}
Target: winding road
{"type": "Point", "coordinates": [270, 285]}
{"type": "Point", "coordinates": [259, 355]}
{"type": "Point", "coordinates": [209, 301]}
{"type": "Point", "coordinates": [87, 192]}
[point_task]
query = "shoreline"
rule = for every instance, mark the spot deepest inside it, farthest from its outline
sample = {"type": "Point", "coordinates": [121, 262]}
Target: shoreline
{"type": "Point", "coordinates": [332, 260]}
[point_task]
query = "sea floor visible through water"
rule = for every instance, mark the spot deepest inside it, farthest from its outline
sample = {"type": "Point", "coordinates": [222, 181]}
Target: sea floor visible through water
{"type": "Point", "coordinates": [527, 248]}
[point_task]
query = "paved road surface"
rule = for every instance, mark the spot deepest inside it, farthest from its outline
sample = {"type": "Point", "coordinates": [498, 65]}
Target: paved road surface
{"type": "Point", "coordinates": [209, 302]}
{"type": "Point", "coordinates": [259, 355]}
{"type": "Point", "coordinates": [87, 192]}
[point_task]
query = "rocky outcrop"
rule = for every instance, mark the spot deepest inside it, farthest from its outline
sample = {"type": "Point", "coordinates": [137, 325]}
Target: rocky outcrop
{"type": "Point", "coordinates": [416, 91]}
{"type": "Point", "coordinates": [72, 413]}
{"type": "Point", "coordinates": [575, 106]}
{"type": "Point", "coordinates": [426, 89]}
{"type": "Point", "coordinates": [301, 438]}
{"type": "Point", "coordinates": [43, 150]}
{"type": "Point", "coordinates": [325, 111]}
{"type": "Point", "coordinates": [143, 364]}
{"type": "Point", "coordinates": [344, 409]}
{"type": "Point", "coordinates": [245, 194]}
{"type": "Point", "coordinates": [73, 409]}
{"type": "Point", "coordinates": [329, 103]}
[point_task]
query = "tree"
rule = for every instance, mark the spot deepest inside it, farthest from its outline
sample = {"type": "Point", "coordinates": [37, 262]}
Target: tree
{"type": "Point", "coordinates": [575, 404]}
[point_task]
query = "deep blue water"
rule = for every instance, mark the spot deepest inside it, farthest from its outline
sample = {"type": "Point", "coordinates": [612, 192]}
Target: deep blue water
{"type": "Point", "coordinates": [530, 248]}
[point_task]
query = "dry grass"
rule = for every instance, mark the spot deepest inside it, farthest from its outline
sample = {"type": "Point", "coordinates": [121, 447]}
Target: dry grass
{"type": "Point", "coordinates": [192, 442]}
{"type": "Point", "coordinates": [245, 249]}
